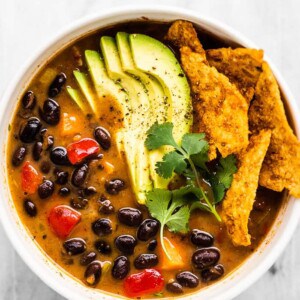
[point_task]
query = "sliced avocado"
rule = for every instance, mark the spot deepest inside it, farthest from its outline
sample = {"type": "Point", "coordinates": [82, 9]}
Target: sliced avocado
{"type": "Point", "coordinates": [155, 58]}
{"type": "Point", "coordinates": [86, 88]}
{"type": "Point", "coordinates": [77, 98]}
{"type": "Point", "coordinates": [153, 87]}
{"type": "Point", "coordinates": [105, 86]}
{"type": "Point", "coordinates": [140, 105]}
{"type": "Point", "coordinates": [158, 105]}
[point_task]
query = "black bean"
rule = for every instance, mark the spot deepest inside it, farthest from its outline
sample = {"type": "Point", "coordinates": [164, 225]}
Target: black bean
{"type": "Point", "coordinates": [57, 84]}
{"type": "Point", "coordinates": [29, 100]}
{"type": "Point", "coordinates": [205, 257]}
{"type": "Point", "coordinates": [103, 137]}
{"type": "Point", "coordinates": [46, 189]}
{"type": "Point", "coordinates": [212, 273]}
{"type": "Point", "coordinates": [18, 156]}
{"type": "Point", "coordinates": [45, 167]}
{"type": "Point", "coordinates": [201, 238]}
{"type": "Point", "coordinates": [152, 245]}
{"type": "Point", "coordinates": [92, 273]}
{"type": "Point", "coordinates": [29, 130]}
{"type": "Point", "coordinates": [75, 246]}
{"type": "Point", "coordinates": [59, 156]}
{"type": "Point", "coordinates": [61, 177]}
{"type": "Point", "coordinates": [174, 287]}
{"type": "Point", "coordinates": [102, 227]}
{"type": "Point", "coordinates": [49, 142]}
{"type": "Point", "coordinates": [79, 203]}
{"type": "Point", "coordinates": [47, 139]}
{"type": "Point", "coordinates": [187, 279]}
{"type": "Point", "coordinates": [103, 247]}
{"type": "Point", "coordinates": [64, 191]}
{"type": "Point", "coordinates": [30, 208]}
{"type": "Point", "coordinates": [147, 229]}
{"type": "Point", "coordinates": [87, 258]}
{"type": "Point", "coordinates": [50, 112]}
{"type": "Point", "coordinates": [120, 268]}
{"type": "Point", "coordinates": [130, 216]}
{"type": "Point", "coordinates": [125, 243]}
{"type": "Point", "coordinates": [89, 191]}
{"type": "Point", "coordinates": [114, 186]}
{"type": "Point", "coordinates": [106, 207]}
{"type": "Point", "coordinates": [79, 175]}
{"type": "Point", "coordinates": [37, 150]}
{"type": "Point", "coordinates": [145, 261]}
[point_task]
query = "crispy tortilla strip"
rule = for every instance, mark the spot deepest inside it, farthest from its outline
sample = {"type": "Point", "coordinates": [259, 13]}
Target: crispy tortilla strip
{"type": "Point", "coordinates": [219, 108]}
{"type": "Point", "coordinates": [240, 197]}
{"type": "Point", "coordinates": [242, 66]}
{"type": "Point", "coordinates": [182, 33]}
{"type": "Point", "coordinates": [281, 167]}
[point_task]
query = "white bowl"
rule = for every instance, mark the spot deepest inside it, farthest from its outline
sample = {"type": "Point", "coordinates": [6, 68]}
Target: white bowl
{"type": "Point", "coordinates": [234, 283]}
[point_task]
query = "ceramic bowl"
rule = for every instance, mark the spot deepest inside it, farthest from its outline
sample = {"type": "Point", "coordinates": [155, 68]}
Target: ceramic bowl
{"type": "Point", "coordinates": [227, 288]}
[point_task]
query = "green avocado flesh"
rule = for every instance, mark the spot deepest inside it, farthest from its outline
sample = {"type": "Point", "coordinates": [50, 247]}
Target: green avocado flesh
{"type": "Point", "coordinates": [144, 76]}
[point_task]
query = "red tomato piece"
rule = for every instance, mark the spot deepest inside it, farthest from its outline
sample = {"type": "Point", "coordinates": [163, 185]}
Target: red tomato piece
{"type": "Point", "coordinates": [148, 281]}
{"type": "Point", "coordinates": [30, 178]}
{"type": "Point", "coordinates": [63, 219]}
{"type": "Point", "coordinates": [82, 149]}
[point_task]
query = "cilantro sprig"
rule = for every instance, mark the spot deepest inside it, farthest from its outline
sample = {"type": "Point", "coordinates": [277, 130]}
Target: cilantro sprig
{"type": "Point", "coordinates": [205, 186]}
{"type": "Point", "coordinates": [169, 211]}
{"type": "Point", "coordinates": [192, 152]}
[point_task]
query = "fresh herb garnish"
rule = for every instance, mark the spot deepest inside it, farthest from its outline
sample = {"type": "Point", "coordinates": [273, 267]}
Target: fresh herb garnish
{"type": "Point", "coordinates": [169, 211]}
{"type": "Point", "coordinates": [221, 179]}
{"type": "Point", "coordinates": [204, 188]}
{"type": "Point", "coordinates": [183, 160]}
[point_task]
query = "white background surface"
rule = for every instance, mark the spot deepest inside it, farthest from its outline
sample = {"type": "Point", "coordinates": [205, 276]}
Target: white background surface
{"type": "Point", "coordinates": [272, 24]}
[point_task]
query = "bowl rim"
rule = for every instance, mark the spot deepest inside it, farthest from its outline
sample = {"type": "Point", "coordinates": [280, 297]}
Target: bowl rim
{"type": "Point", "coordinates": [180, 13]}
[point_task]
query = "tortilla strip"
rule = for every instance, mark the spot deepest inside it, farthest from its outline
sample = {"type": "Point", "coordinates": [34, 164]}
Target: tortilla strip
{"type": "Point", "coordinates": [220, 110]}
{"type": "Point", "coordinates": [240, 197]}
{"type": "Point", "coordinates": [281, 167]}
{"type": "Point", "coordinates": [241, 65]}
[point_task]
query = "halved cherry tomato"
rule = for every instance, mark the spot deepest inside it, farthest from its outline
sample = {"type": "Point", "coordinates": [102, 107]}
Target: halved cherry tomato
{"type": "Point", "coordinates": [30, 178]}
{"type": "Point", "coordinates": [82, 149]}
{"type": "Point", "coordinates": [147, 282]}
{"type": "Point", "coordinates": [63, 219]}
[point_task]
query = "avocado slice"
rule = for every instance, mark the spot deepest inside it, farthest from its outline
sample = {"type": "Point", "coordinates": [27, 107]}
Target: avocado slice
{"type": "Point", "coordinates": [77, 98]}
{"type": "Point", "coordinates": [158, 105]}
{"type": "Point", "coordinates": [155, 58]}
{"type": "Point", "coordinates": [105, 86]}
{"type": "Point", "coordinates": [140, 106]}
{"type": "Point", "coordinates": [86, 88]}
{"type": "Point", "coordinates": [153, 87]}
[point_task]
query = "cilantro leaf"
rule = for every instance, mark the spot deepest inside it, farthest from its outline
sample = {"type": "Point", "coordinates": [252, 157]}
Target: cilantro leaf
{"type": "Point", "coordinates": [172, 161]}
{"type": "Point", "coordinates": [199, 205]}
{"type": "Point", "coordinates": [169, 212]}
{"type": "Point", "coordinates": [188, 192]}
{"type": "Point", "coordinates": [160, 135]}
{"type": "Point", "coordinates": [201, 157]}
{"type": "Point", "coordinates": [227, 169]}
{"type": "Point", "coordinates": [222, 178]}
{"type": "Point", "coordinates": [193, 143]}
{"type": "Point", "coordinates": [178, 221]}
{"type": "Point", "coordinates": [157, 202]}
